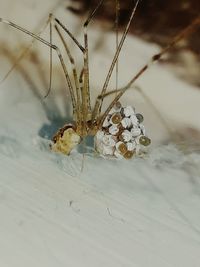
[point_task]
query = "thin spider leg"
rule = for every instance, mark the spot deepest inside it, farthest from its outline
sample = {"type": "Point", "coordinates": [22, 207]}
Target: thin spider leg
{"type": "Point", "coordinates": [34, 57]}
{"type": "Point", "coordinates": [72, 61]}
{"type": "Point", "coordinates": [74, 105]}
{"type": "Point", "coordinates": [187, 31]}
{"type": "Point", "coordinates": [37, 63]}
{"type": "Point", "coordinates": [71, 35]}
{"type": "Point", "coordinates": [27, 49]}
{"type": "Point", "coordinates": [115, 91]}
{"type": "Point", "coordinates": [84, 106]}
{"type": "Point", "coordinates": [117, 9]}
{"type": "Point", "coordinates": [98, 104]}
{"type": "Point", "coordinates": [28, 78]}
{"type": "Point", "coordinates": [51, 66]}
{"type": "Point", "coordinates": [81, 83]}
{"type": "Point", "coordinates": [81, 75]}
{"type": "Point", "coordinates": [93, 13]}
{"type": "Point", "coordinates": [86, 59]}
{"type": "Point", "coordinates": [148, 100]}
{"type": "Point", "coordinates": [86, 87]}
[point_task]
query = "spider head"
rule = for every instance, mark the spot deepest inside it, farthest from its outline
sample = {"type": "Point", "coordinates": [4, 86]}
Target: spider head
{"type": "Point", "coordinates": [65, 139]}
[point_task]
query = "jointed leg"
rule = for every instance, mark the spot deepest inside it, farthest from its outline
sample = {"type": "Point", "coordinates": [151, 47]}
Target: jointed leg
{"type": "Point", "coordinates": [81, 82]}
{"type": "Point", "coordinates": [70, 35]}
{"type": "Point", "coordinates": [50, 70]}
{"type": "Point", "coordinates": [81, 78]}
{"type": "Point", "coordinates": [86, 86]}
{"type": "Point", "coordinates": [98, 104]}
{"type": "Point", "coordinates": [77, 86]}
{"type": "Point", "coordinates": [187, 31]}
{"type": "Point", "coordinates": [23, 71]}
{"type": "Point", "coordinates": [147, 99]}
{"type": "Point", "coordinates": [86, 105]}
{"type": "Point", "coordinates": [117, 9]}
{"type": "Point", "coordinates": [27, 49]}
{"type": "Point", "coordinates": [74, 105]}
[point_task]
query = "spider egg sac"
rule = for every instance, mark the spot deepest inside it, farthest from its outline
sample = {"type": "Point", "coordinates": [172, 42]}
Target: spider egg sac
{"type": "Point", "coordinates": [122, 134]}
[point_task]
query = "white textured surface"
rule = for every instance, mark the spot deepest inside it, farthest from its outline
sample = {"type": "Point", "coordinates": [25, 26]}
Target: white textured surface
{"type": "Point", "coordinates": [130, 213]}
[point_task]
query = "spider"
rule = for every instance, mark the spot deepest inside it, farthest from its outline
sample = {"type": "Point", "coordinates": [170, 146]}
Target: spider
{"type": "Point", "coordinates": [118, 131]}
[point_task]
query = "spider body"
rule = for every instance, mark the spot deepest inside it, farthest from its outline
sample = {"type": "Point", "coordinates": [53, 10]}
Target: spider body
{"type": "Point", "coordinates": [65, 139]}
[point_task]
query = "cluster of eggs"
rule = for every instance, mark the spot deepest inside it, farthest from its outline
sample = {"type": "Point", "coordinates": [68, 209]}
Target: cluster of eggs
{"type": "Point", "coordinates": [122, 134]}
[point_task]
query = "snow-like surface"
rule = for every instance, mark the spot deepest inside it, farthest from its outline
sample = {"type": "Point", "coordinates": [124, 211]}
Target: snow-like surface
{"type": "Point", "coordinates": [85, 211]}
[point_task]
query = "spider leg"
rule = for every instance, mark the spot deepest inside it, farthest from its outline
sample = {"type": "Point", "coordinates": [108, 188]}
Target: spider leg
{"type": "Point", "coordinates": [84, 108]}
{"type": "Point", "coordinates": [76, 82]}
{"type": "Point", "coordinates": [86, 103]}
{"type": "Point", "coordinates": [98, 104]}
{"type": "Point", "coordinates": [187, 31]}
{"type": "Point", "coordinates": [81, 76]}
{"type": "Point", "coordinates": [23, 71]}
{"type": "Point", "coordinates": [70, 35]}
{"type": "Point", "coordinates": [74, 105]}
{"type": "Point", "coordinates": [147, 99]}
{"type": "Point", "coordinates": [86, 86]}
{"type": "Point", "coordinates": [50, 69]}
{"type": "Point", "coordinates": [81, 82]}
{"type": "Point", "coordinates": [117, 10]}
{"type": "Point", "coordinates": [26, 50]}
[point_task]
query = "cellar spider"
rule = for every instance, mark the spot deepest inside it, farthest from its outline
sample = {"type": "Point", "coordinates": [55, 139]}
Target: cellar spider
{"type": "Point", "coordinates": [118, 131]}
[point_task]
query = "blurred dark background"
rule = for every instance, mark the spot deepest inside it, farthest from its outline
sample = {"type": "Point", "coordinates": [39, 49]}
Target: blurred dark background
{"type": "Point", "coordinates": [156, 21]}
